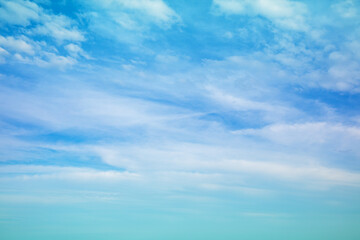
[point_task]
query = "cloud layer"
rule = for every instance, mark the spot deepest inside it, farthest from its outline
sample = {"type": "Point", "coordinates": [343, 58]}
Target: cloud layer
{"type": "Point", "coordinates": [227, 111]}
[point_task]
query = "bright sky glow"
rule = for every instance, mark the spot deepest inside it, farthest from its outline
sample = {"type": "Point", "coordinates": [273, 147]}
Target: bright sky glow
{"type": "Point", "coordinates": [175, 119]}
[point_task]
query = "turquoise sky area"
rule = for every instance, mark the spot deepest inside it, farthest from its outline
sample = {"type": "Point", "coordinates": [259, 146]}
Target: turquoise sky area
{"type": "Point", "coordinates": [179, 120]}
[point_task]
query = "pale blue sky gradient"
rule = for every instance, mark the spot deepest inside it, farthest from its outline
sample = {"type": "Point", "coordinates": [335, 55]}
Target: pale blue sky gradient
{"type": "Point", "coordinates": [161, 119]}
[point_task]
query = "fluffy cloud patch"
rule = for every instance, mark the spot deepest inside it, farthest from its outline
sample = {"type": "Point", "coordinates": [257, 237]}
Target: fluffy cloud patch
{"type": "Point", "coordinates": [58, 27]}
{"type": "Point", "coordinates": [19, 12]}
{"type": "Point", "coordinates": [26, 51]}
{"type": "Point", "coordinates": [345, 8]}
{"type": "Point", "coordinates": [129, 21]}
{"type": "Point", "coordinates": [157, 9]}
{"type": "Point", "coordinates": [33, 21]}
{"type": "Point", "coordinates": [284, 13]}
{"type": "Point", "coordinates": [17, 44]}
{"type": "Point", "coordinates": [76, 51]}
{"type": "Point", "coordinates": [39, 21]}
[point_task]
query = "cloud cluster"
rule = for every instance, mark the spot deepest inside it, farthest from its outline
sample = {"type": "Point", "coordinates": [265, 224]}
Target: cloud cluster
{"type": "Point", "coordinates": [31, 21]}
{"type": "Point", "coordinates": [38, 21]}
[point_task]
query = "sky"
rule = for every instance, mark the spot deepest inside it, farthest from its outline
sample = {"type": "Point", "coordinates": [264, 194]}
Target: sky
{"type": "Point", "coordinates": [176, 119]}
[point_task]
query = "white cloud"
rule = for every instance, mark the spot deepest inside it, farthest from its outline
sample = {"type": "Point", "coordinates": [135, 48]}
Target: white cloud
{"type": "Point", "coordinates": [288, 61]}
{"type": "Point", "coordinates": [17, 44]}
{"type": "Point", "coordinates": [58, 27]}
{"type": "Point", "coordinates": [75, 51]}
{"type": "Point", "coordinates": [87, 109]}
{"type": "Point", "coordinates": [3, 53]}
{"type": "Point", "coordinates": [217, 160]}
{"type": "Point", "coordinates": [222, 155]}
{"type": "Point", "coordinates": [38, 172]}
{"type": "Point", "coordinates": [204, 167]}
{"type": "Point", "coordinates": [312, 174]}
{"type": "Point", "coordinates": [345, 8]}
{"type": "Point", "coordinates": [31, 19]}
{"type": "Point", "coordinates": [342, 71]}
{"type": "Point", "coordinates": [53, 60]}
{"type": "Point", "coordinates": [337, 137]}
{"type": "Point", "coordinates": [39, 21]}
{"type": "Point", "coordinates": [129, 21]}
{"type": "Point", "coordinates": [284, 13]}
{"type": "Point", "coordinates": [245, 70]}
{"type": "Point", "coordinates": [27, 51]}
{"type": "Point", "coordinates": [156, 9]}
{"type": "Point", "coordinates": [344, 75]}
{"type": "Point", "coordinates": [244, 104]}
{"type": "Point", "coordinates": [19, 12]}
{"type": "Point", "coordinates": [131, 13]}
{"type": "Point", "coordinates": [231, 6]}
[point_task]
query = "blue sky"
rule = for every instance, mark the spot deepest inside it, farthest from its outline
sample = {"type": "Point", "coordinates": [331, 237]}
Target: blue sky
{"type": "Point", "coordinates": [154, 119]}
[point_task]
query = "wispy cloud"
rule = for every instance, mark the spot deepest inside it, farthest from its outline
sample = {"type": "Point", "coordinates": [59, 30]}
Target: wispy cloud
{"type": "Point", "coordinates": [284, 13]}
{"type": "Point", "coordinates": [17, 45]}
{"type": "Point", "coordinates": [28, 172]}
{"type": "Point", "coordinates": [346, 9]}
{"type": "Point", "coordinates": [19, 12]}
{"type": "Point", "coordinates": [310, 133]}
{"type": "Point", "coordinates": [129, 21]}
{"type": "Point", "coordinates": [58, 27]}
